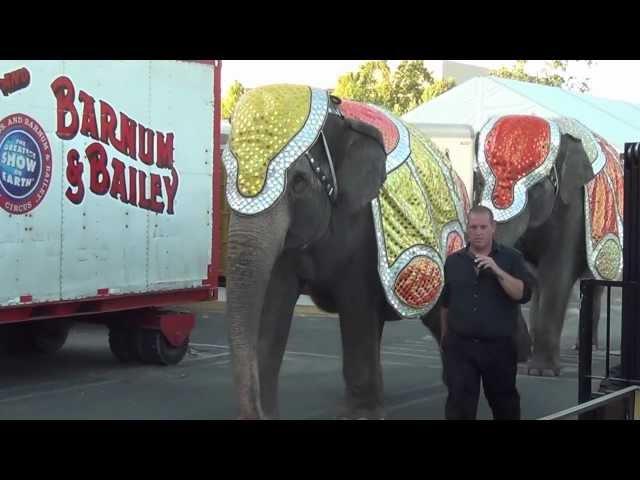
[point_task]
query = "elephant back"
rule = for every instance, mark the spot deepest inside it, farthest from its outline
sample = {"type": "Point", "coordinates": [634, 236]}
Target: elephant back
{"type": "Point", "coordinates": [603, 201]}
{"type": "Point", "coordinates": [604, 205]}
{"type": "Point", "coordinates": [419, 214]}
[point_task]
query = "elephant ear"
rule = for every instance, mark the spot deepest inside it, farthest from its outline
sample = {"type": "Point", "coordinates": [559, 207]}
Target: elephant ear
{"type": "Point", "coordinates": [576, 169]}
{"type": "Point", "coordinates": [362, 170]}
{"type": "Point", "coordinates": [542, 198]}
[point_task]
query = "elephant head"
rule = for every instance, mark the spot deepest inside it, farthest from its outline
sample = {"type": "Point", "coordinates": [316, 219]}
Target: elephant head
{"type": "Point", "coordinates": [297, 173]}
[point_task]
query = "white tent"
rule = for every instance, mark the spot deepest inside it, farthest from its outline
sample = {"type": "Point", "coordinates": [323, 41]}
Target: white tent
{"type": "Point", "coordinates": [475, 101]}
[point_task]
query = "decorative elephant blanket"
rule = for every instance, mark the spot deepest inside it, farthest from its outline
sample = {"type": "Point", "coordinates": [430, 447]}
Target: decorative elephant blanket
{"type": "Point", "coordinates": [271, 128]}
{"type": "Point", "coordinates": [419, 215]}
{"type": "Point", "coordinates": [518, 151]}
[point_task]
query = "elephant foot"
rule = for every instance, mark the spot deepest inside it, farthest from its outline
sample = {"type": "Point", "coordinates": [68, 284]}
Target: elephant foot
{"type": "Point", "coordinates": [539, 366]}
{"type": "Point", "coordinates": [362, 414]}
{"type": "Point", "coordinates": [359, 418]}
{"type": "Point", "coordinates": [255, 417]}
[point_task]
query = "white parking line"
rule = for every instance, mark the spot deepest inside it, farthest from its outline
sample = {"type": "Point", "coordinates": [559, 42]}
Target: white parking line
{"type": "Point", "coordinates": [417, 342]}
{"type": "Point", "coordinates": [309, 354]}
{"type": "Point", "coordinates": [409, 349]}
{"type": "Point", "coordinates": [403, 354]}
{"type": "Point", "coordinates": [208, 345]}
{"type": "Point", "coordinates": [389, 362]}
{"type": "Point", "coordinates": [223, 354]}
{"type": "Point", "coordinates": [57, 390]}
{"type": "Point", "coordinates": [223, 362]}
{"type": "Point", "coordinates": [413, 402]}
{"type": "Point", "coordinates": [318, 355]}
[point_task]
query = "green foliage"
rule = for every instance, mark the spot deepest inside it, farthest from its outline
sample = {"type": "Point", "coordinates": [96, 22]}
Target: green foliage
{"type": "Point", "coordinates": [554, 75]}
{"type": "Point", "coordinates": [371, 83]}
{"type": "Point", "coordinates": [436, 88]}
{"type": "Point", "coordinates": [231, 98]}
{"type": "Point", "coordinates": [408, 84]}
{"type": "Point", "coordinates": [399, 91]}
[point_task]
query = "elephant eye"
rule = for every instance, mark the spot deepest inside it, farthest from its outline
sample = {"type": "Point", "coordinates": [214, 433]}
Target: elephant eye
{"type": "Point", "coordinates": [299, 183]}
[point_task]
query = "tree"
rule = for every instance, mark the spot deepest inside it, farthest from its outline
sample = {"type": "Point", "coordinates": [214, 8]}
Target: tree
{"type": "Point", "coordinates": [398, 91]}
{"type": "Point", "coordinates": [371, 83]}
{"type": "Point", "coordinates": [236, 90]}
{"type": "Point", "coordinates": [555, 74]}
{"type": "Point", "coordinates": [408, 85]}
{"type": "Point", "coordinates": [438, 87]}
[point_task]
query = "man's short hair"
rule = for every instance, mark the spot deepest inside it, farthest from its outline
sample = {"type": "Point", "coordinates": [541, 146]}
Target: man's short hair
{"type": "Point", "coordinates": [481, 209]}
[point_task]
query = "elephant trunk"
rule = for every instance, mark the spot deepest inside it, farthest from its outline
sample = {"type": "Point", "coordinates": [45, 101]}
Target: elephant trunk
{"type": "Point", "coordinates": [255, 242]}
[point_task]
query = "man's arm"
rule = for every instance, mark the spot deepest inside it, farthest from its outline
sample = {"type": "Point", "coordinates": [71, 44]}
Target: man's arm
{"type": "Point", "coordinates": [514, 287]}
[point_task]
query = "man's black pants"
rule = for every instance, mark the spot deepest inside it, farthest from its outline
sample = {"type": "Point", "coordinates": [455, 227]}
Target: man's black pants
{"type": "Point", "coordinates": [466, 362]}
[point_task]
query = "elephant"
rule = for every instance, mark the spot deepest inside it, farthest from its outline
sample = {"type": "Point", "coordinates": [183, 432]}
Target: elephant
{"type": "Point", "coordinates": [555, 216]}
{"type": "Point", "coordinates": [303, 218]}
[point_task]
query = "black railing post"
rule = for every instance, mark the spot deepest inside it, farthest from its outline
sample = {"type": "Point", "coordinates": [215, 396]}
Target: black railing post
{"type": "Point", "coordinates": [630, 338]}
{"type": "Point", "coordinates": [585, 340]}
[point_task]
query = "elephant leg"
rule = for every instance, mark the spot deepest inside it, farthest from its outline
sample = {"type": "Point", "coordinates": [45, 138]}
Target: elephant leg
{"type": "Point", "coordinates": [595, 319]}
{"type": "Point", "coordinates": [534, 308]}
{"type": "Point", "coordinates": [553, 296]}
{"type": "Point", "coordinates": [361, 329]}
{"type": "Point", "coordinates": [282, 293]}
{"type": "Point", "coordinates": [432, 321]}
{"type": "Point", "coordinates": [522, 339]}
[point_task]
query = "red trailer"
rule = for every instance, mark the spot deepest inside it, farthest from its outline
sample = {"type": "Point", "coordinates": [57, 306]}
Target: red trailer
{"type": "Point", "coordinates": [109, 201]}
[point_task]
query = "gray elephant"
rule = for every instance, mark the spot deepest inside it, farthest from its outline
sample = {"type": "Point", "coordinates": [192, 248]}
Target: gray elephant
{"type": "Point", "coordinates": [556, 191]}
{"type": "Point", "coordinates": [315, 187]}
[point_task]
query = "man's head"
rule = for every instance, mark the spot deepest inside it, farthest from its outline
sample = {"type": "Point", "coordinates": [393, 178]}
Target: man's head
{"type": "Point", "coordinates": [480, 227]}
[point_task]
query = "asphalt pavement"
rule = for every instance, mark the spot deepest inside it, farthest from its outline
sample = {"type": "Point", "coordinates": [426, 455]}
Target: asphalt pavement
{"type": "Point", "coordinates": [84, 380]}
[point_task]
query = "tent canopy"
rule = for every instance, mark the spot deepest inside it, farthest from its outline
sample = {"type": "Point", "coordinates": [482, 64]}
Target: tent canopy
{"type": "Point", "coordinates": [475, 101]}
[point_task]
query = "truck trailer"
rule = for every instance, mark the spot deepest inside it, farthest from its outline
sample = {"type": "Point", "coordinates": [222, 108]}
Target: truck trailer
{"type": "Point", "coordinates": [109, 200]}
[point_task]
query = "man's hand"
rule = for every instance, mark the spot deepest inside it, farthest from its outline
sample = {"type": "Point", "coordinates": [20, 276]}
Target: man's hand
{"type": "Point", "coordinates": [514, 287]}
{"type": "Point", "coordinates": [484, 261]}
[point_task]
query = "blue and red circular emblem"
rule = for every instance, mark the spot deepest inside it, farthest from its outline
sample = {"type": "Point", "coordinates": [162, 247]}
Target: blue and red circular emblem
{"type": "Point", "coordinates": [25, 163]}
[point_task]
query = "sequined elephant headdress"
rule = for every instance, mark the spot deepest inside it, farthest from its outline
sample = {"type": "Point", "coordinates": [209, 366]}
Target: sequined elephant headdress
{"type": "Point", "coordinates": [271, 127]}
{"type": "Point", "coordinates": [516, 152]}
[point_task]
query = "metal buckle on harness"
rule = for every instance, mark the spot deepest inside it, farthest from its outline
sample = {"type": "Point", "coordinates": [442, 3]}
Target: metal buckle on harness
{"type": "Point", "coordinates": [330, 184]}
{"type": "Point", "coordinates": [553, 178]}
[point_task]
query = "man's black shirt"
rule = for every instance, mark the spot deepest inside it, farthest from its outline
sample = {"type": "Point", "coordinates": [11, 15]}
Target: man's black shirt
{"type": "Point", "coordinates": [478, 305]}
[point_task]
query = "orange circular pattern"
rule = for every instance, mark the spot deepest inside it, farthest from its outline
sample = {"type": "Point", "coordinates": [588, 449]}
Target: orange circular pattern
{"type": "Point", "coordinates": [419, 283]}
{"type": "Point", "coordinates": [454, 242]}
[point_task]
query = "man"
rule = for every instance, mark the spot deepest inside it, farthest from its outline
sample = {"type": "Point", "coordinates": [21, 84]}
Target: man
{"type": "Point", "coordinates": [484, 283]}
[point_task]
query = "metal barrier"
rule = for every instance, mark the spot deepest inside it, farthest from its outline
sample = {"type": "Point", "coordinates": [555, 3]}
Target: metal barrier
{"type": "Point", "coordinates": [630, 290]}
{"type": "Point", "coordinates": [630, 398]}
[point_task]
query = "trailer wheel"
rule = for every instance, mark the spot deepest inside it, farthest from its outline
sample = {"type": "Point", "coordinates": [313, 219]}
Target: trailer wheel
{"type": "Point", "coordinates": [154, 348]}
{"type": "Point", "coordinates": [48, 337]}
{"type": "Point", "coordinates": [123, 344]}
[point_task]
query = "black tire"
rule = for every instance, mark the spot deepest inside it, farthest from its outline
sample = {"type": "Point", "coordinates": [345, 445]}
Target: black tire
{"type": "Point", "coordinates": [15, 339]}
{"type": "Point", "coordinates": [154, 348]}
{"type": "Point", "coordinates": [47, 336]}
{"type": "Point", "coordinates": [123, 344]}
